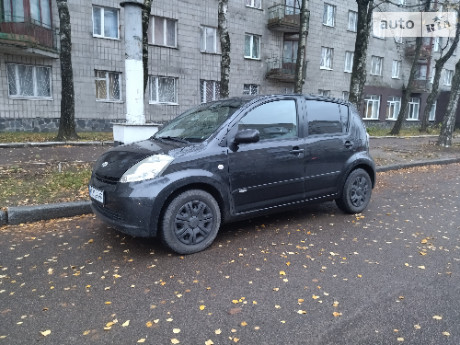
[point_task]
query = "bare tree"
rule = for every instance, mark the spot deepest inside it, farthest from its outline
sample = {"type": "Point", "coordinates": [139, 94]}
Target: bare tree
{"type": "Point", "coordinates": [359, 73]}
{"type": "Point", "coordinates": [439, 64]}
{"type": "Point", "coordinates": [145, 39]}
{"type": "Point", "coordinates": [225, 48]}
{"type": "Point", "coordinates": [67, 127]}
{"type": "Point", "coordinates": [300, 62]}
{"type": "Point", "coordinates": [406, 93]}
{"type": "Point", "coordinates": [448, 123]}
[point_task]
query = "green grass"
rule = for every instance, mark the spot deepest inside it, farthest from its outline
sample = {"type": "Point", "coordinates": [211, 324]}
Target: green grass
{"type": "Point", "coordinates": [23, 186]}
{"type": "Point", "coordinates": [18, 137]}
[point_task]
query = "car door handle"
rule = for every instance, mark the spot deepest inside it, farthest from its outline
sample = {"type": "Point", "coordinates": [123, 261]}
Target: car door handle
{"type": "Point", "coordinates": [297, 150]}
{"type": "Point", "coordinates": [348, 144]}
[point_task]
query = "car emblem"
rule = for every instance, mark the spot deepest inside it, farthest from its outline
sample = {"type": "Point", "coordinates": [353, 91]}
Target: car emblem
{"type": "Point", "coordinates": [105, 164]}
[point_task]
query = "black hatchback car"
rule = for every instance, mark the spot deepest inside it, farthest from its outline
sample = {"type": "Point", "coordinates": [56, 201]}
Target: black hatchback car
{"type": "Point", "coordinates": [230, 159]}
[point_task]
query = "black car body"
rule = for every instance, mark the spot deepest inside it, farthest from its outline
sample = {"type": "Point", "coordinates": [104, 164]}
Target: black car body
{"type": "Point", "coordinates": [230, 159]}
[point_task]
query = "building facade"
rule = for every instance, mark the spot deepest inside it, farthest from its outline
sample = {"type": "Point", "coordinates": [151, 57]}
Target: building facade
{"type": "Point", "coordinates": [184, 59]}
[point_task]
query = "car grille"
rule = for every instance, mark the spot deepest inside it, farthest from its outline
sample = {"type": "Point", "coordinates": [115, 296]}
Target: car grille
{"type": "Point", "coordinates": [108, 212]}
{"type": "Point", "coordinates": [106, 179]}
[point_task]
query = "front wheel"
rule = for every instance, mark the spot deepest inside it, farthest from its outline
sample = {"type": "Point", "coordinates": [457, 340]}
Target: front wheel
{"type": "Point", "coordinates": [356, 192]}
{"type": "Point", "coordinates": [191, 222]}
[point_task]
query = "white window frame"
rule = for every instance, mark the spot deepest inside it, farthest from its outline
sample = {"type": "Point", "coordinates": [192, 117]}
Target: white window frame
{"type": "Point", "coordinates": [352, 21]}
{"type": "Point", "coordinates": [373, 102]}
{"type": "Point", "coordinates": [345, 95]}
{"type": "Point", "coordinates": [327, 57]}
{"type": "Point", "coordinates": [254, 4]}
{"type": "Point", "coordinates": [324, 93]}
{"type": "Point", "coordinates": [106, 80]}
{"type": "Point", "coordinates": [393, 107]}
{"type": "Point", "coordinates": [329, 15]}
{"type": "Point", "coordinates": [215, 85]}
{"type": "Point", "coordinates": [205, 30]}
{"type": "Point", "coordinates": [252, 38]}
{"type": "Point", "coordinates": [414, 109]}
{"type": "Point", "coordinates": [396, 69]}
{"type": "Point", "coordinates": [250, 89]}
{"type": "Point", "coordinates": [376, 65]}
{"type": "Point", "coordinates": [165, 20]}
{"type": "Point", "coordinates": [448, 75]}
{"type": "Point", "coordinates": [35, 87]}
{"type": "Point", "coordinates": [348, 61]}
{"type": "Point", "coordinates": [102, 22]}
{"type": "Point", "coordinates": [154, 99]}
{"type": "Point", "coordinates": [379, 33]}
{"type": "Point", "coordinates": [432, 116]}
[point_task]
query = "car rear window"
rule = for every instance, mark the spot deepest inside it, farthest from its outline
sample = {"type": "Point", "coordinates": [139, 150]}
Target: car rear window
{"type": "Point", "coordinates": [326, 117]}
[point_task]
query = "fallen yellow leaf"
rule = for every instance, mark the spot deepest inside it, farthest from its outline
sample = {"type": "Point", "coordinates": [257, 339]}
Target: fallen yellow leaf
{"type": "Point", "coordinates": [86, 332]}
{"type": "Point", "coordinates": [218, 331]}
{"type": "Point", "coordinates": [175, 341]}
{"type": "Point", "coordinates": [202, 307]}
{"type": "Point", "coordinates": [302, 312]}
{"type": "Point", "coordinates": [336, 314]}
{"type": "Point", "coordinates": [244, 323]}
{"type": "Point", "coordinates": [437, 317]}
{"type": "Point", "coordinates": [141, 340]}
{"type": "Point", "coordinates": [209, 342]}
{"type": "Point", "coordinates": [176, 330]}
{"type": "Point", "coordinates": [46, 333]}
{"type": "Point", "coordinates": [282, 273]}
{"type": "Point", "coordinates": [447, 334]}
{"type": "Point", "coordinates": [125, 324]}
{"type": "Point", "coordinates": [149, 324]}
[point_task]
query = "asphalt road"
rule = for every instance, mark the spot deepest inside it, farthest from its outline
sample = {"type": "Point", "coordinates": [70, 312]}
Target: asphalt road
{"type": "Point", "coordinates": [313, 276]}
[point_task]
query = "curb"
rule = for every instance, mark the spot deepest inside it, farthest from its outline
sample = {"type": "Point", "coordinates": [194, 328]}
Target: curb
{"type": "Point", "coordinates": [24, 214]}
{"type": "Point", "coordinates": [55, 143]}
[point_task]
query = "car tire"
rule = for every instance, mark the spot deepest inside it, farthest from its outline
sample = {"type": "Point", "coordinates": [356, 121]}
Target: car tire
{"type": "Point", "coordinates": [190, 222]}
{"type": "Point", "coordinates": [356, 192]}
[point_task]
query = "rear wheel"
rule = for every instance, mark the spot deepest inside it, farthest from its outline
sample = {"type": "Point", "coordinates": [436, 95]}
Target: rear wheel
{"type": "Point", "coordinates": [356, 192]}
{"type": "Point", "coordinates": [191, 222]}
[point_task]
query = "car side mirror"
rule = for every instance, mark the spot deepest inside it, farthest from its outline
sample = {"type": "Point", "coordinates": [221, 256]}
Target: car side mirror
{"type": "Point", "coordinates": [246, 136]}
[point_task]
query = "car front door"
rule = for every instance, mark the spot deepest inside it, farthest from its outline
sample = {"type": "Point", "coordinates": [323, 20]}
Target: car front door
{"type": "Point", "coordinates": [269, 172]}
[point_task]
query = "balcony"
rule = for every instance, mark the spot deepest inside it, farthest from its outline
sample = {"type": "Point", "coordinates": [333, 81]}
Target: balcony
{"type": "Point", "coordinates": [284, 18]}
{"type": "Point", "coordinates": [421, 85]}
{"type": "Point", "coordinates": [24, 37]}
{"type": "Point", "coordinates": [281, 69]}
{"type": "Point", "coordinates": [425, 51]}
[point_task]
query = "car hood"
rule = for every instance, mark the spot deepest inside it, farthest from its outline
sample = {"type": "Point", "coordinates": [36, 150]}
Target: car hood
{"type": "Point", "coordinates": [111, 165]}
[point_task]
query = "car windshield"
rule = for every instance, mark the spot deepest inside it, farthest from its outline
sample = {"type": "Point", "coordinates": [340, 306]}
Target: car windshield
{"type": "Point", "coordinates": [199, 123]}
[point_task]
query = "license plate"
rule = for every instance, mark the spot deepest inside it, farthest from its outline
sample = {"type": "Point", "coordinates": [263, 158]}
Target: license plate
{"type": "Point", "coordinates": [96, 194]}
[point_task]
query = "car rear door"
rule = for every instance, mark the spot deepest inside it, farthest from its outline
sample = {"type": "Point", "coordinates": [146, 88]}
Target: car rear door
{"type": "Point", "coordinates": [270, 172]}
{"type": "Point", "coordinates": [329, 146]}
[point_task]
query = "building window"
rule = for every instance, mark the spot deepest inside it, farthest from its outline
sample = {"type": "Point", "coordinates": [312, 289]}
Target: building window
{"type": "Point", "coordinates": [326, 58]}
{"type": "Point", "coordinates": [251, 46]}
{"type": "Point", "coordinates": [208, 42]}
{"type": "Point", "coordinates": [40, 12]}
{"type": "Point", "coordinates": [324, 93]}
{"type": "Point", "coordinates": [329, 15]}
{"type": "Point", "coordinates": [432, 115]}
{"type": "Point", "coordinates": [377, 30]}
{"type": "Point", "coordinates": [37, 11]}
{"type": "Point", "coordinates": [105, 22]}
{"type": "Point", "coordinates": [292, 7]}
{"type": "Point", "coordinates": [209, 90]}
{"type": "Point", "coordinates": [448, 77]}
{"type": "Point", "coordinates": [26, 81]}
{"type": "Point", "coordinates": [376, 65]}
{"type": "Point", "coordinates": [414, 107]}
{"type": "Point", "coordinates": [393, 106]}
{"type": "Point", "coordinates": [250, 89]}
{"type": "Point", "coordinates": [352, 21]}
{"type": "Point", "coordinates": [254, 3]}
{"type": "Point", "coordinates": [345, 95]}
{"type": "Point", "coordinates": [164, 32]}
{"type": "Point", "coordinates": [372, 107]}
{"type": "Point", "coordinates": [162, 90]}
{"type": "Point", "coordinates": [108, 86]}
{"type": "Point", "coordinates": [396, 69]}
{"type": "Point", "coordinates": [421, 72]}
{"type": "Point", "coordinates": [348, 62]}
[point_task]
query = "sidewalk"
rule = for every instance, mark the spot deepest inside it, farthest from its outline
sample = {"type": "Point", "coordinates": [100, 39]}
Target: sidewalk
{"type": "Point", "coordinates": [389, 153]}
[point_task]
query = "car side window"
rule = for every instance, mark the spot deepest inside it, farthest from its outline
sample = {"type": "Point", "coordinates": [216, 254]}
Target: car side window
{"type": "Point", "coordinates": [274, 120]}
{"type": "Point", "coordinates": [326, 118]}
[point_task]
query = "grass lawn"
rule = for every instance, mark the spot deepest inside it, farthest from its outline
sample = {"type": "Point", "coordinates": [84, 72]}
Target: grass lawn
{"type": "Point", "coordinates": [18, 137]}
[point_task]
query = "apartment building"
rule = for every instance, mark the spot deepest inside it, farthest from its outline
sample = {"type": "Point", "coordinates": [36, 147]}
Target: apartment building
{"type": "Point", "coordinates": [184, 59]}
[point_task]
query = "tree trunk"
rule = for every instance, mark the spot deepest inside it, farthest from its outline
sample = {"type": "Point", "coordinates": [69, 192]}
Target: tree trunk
{"type": "Point", "coordinates": [300, 63]}
{"type": "Point", "coordinates": [448, 123]}
{"type": "Point", "coordinates": [359, 73]}
{"type": "Point", "coordinates": [67, 126]}
{"type": "Point", "coordinates": [145, 39]}
{"type": "Point", "coordinates": [225, 47]}
{"type": "Point", "coordinates": [433, 96]}
{"type": "Point", "coordinates": [410, 83]}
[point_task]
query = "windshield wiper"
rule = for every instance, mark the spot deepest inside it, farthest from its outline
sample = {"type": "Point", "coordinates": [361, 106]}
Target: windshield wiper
{"type": "Point", "coordinates": [181, 140]}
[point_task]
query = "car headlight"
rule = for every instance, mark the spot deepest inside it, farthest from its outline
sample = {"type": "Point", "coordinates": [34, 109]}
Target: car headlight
{"type": "Point", "coordinates": [147, 168]}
